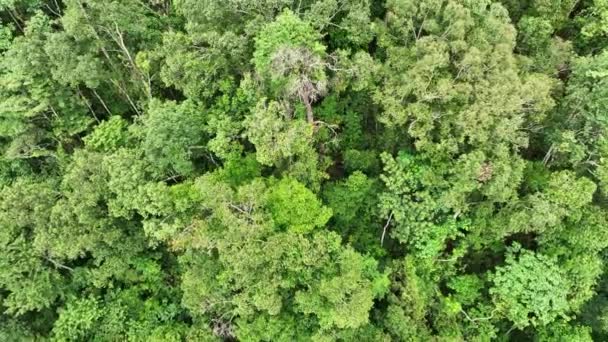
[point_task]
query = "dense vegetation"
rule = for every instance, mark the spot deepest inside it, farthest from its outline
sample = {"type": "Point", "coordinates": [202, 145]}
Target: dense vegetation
{"type": "Point", "coordinates": [303, 170]}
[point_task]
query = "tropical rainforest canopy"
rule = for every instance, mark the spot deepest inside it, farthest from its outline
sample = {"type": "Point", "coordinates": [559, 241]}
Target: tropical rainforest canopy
{"type": "Point", "coordinates": [304, 170]}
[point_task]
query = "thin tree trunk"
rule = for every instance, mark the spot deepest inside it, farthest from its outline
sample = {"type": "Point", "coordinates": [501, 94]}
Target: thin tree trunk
{"type": "Point", "coordinates": [309, 114]}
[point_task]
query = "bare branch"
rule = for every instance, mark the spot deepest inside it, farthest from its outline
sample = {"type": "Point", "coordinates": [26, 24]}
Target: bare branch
{"type": "Point", "coordinates": [59, 265]}
{"type": "Point", "coordinates": [390, 217]}
{"type": "Point", "coordinates": [480, 318]}
{"type": "Point", "coordinates": [102, 102]}
{"type": "Point", "coordinates": [548, 155]}
{"type": "Point", "coordinates": [236, 207]}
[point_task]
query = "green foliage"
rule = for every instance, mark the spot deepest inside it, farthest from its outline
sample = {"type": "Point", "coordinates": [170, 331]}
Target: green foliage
{"type": "Point", "coordinates": [201, 64]}
{"type": "Point", "coordinates": [295, 208]}
{"type": "Point", "coordinates": [36, 110]}
{"type": "Point", "coordinates": [594, 21]}
{"type": "Point", "coordinates": [287, 31]}
{"type": "Point", "coordinates": [310, 170]}
{"type": "Point", "coordinates": [565, 332]}
{"type": "Point", "coordinates": [28, 279]}
{"type": "Point", "coordinates": [171, 134]}
{"type": "Point", "coordinates": [467, 288]}
{"type": "Point", "coordinates": [409, 301]}
{"type": "Point", "coordinates": [564, 197]}
{"type": "Point", "coordinates": [530, 289]}
{"type": "Point", "coordinates": [412, 200]}
{"type": "Point", "coordinates": [275, 138]}
{"type": "Point", "coordinates": [330, 282]}
{"type": "Point", "coordinates": [355, 205]}
{"type": "Point", "coordinates": [109, 135]}
{"type": "Point", "coordinates": [76, 319]}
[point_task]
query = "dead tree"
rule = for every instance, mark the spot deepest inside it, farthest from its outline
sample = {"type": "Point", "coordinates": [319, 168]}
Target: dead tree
{"type": "Point", "coordinates": [304, 73]}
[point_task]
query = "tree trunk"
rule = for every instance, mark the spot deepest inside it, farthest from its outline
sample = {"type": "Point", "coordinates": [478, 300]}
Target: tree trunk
{"type": "Point", "coordinates": [309, 115]}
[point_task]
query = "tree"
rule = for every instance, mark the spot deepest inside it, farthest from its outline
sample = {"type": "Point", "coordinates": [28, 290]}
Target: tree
{"type": "Point", "coordinates": [288, 53]}
{"type": "Point", "coordinates": [580, 141]}
{"type": "Point", "coordinates": [275, 272]}
{"type": "Point", "coordinates": [172, 134]}
{"type": "Point", "coordinates": [37, 111]}
{"type": "Point", "coordinates": [530, 289]}
{"type": "Point", "coordinates": [31, 280]}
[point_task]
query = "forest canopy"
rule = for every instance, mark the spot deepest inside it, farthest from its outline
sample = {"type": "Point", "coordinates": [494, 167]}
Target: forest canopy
{"type": "Point", "coordinates": [304, 170]}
